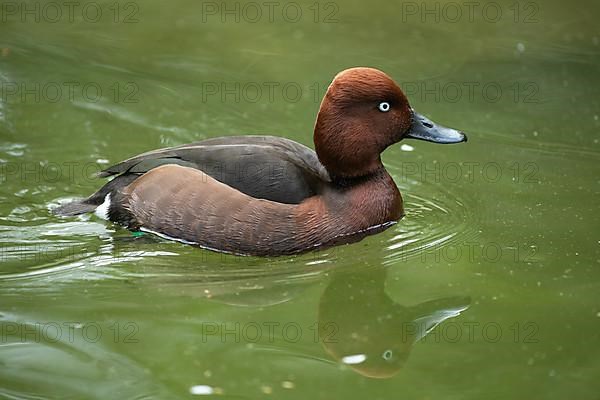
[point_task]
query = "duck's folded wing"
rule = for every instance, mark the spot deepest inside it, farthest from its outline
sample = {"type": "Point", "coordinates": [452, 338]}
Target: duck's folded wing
{"type": "Point", "coordinates": [265, 167]}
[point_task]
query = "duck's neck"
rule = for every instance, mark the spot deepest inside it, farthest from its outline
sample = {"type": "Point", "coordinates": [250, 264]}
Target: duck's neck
{"type": "Point", "coordinates": [348, 182]}
{"type": "Point", "coordinates": [373, 198]}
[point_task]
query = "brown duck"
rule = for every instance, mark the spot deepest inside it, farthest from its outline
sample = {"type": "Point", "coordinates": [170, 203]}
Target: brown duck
{"type": "Point", "coordinates": [265, 195]}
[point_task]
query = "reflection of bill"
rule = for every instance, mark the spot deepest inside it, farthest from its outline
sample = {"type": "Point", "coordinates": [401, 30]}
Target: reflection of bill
{"type": "Point", "coordinates": [374, 335]}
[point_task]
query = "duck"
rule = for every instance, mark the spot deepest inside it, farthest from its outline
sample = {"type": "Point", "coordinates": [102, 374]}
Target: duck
{"type": "Point", "coordinates": [269, 195]}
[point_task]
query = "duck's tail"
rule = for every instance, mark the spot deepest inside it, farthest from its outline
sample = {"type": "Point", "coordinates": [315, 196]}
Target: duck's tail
{"type": "Point", "coordinates": [96, 200]}
{"type": "Point", "coordinates": [76, 207]}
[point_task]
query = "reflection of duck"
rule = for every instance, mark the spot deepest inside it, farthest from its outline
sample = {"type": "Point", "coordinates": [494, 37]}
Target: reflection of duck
{"type": "Point", "coordinates": [361, 326]}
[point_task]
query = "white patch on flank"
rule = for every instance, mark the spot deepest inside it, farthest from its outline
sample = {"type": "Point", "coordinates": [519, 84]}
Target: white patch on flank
{"type": "Point", "coordinates": [102, 210]}
{"type": "Point", "coordinates": [162, 235]}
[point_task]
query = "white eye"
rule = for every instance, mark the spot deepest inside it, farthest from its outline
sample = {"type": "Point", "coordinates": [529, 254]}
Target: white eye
{"type": "Point", "coordinates": [384, 106]}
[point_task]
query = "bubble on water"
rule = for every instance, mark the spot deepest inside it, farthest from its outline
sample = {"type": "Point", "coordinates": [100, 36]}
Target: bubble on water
{"type": "Point", "coordinates": [406, 147]}
{"type": "Point", "coordinates": [520, 47]}
{"type": "Point", "coordinates": [287, 384]}
{"type": "Point", "coordinates": [202, 390]}
{"type": "Point", "coordinates": [266, 389]}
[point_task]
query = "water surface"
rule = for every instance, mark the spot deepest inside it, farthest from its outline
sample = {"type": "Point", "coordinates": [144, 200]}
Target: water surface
{"type": "Point", "coordinates": [488, 288]}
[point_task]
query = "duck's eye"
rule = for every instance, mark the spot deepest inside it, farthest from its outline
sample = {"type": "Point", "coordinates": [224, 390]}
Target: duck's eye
{"type": "Point", "coordinates": [384, 106]}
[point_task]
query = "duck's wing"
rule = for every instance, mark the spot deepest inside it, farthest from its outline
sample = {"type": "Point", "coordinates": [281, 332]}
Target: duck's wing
{"type": "Point", "coordinates": [264, 167]}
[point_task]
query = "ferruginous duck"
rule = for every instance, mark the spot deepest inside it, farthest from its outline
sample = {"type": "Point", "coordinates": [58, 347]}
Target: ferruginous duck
{"type": "Point", "coordinates": [269, 196]}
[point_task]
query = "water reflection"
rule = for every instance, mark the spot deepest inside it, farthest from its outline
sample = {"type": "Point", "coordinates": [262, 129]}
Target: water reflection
{"type": "Point", "coordinates": [361, 326]}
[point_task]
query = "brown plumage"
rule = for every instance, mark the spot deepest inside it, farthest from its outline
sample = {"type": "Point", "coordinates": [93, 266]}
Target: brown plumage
{"type": "Point", "coordinates": [291, 200]}
{"type": "Point", "coordinates": [187, 204]}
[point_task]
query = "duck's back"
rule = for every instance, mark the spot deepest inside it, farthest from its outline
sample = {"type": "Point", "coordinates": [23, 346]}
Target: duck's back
{"type": "Point", "coordinates": [263, 167]}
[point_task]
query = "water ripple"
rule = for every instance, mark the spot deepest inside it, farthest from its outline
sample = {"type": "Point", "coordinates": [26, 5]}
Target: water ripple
{"type": "Point", "coordinates": [436, 216]}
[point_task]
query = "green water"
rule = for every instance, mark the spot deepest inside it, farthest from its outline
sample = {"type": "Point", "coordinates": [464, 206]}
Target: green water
{"type": "Point", "coordinates": [498, 255]}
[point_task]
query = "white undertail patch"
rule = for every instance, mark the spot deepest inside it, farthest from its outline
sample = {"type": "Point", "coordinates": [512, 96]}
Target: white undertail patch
{"type": "Point", "coordinates": [102, 210]}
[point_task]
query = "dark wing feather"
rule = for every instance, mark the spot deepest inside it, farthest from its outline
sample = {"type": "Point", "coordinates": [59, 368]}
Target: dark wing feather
{"type": "Point", "coordinates": [265, 167]}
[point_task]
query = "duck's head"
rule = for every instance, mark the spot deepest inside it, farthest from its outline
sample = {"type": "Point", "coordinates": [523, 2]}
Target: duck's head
{"type": "Point", "coordinates": [363, 112]}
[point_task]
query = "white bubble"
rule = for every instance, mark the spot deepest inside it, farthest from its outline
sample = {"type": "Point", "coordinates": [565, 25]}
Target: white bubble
{"type": "Point", "coordinates": [266, 389]}
{"type": "Point", "coordinates": [201, 390]}
{"type": "Point", "coordinates": [287, 384]}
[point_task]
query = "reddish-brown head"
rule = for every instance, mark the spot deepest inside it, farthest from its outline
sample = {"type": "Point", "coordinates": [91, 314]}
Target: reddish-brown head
{"type": "Point", "coordinates": [362, 113]}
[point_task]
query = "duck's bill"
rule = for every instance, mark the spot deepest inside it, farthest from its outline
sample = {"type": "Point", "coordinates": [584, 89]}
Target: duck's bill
{"type": "Point", "coordinates": [425, 129]}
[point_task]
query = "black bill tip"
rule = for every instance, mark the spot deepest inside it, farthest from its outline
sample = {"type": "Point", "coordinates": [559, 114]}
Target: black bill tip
{"type": "Point", "coordinates": [425, 129]}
